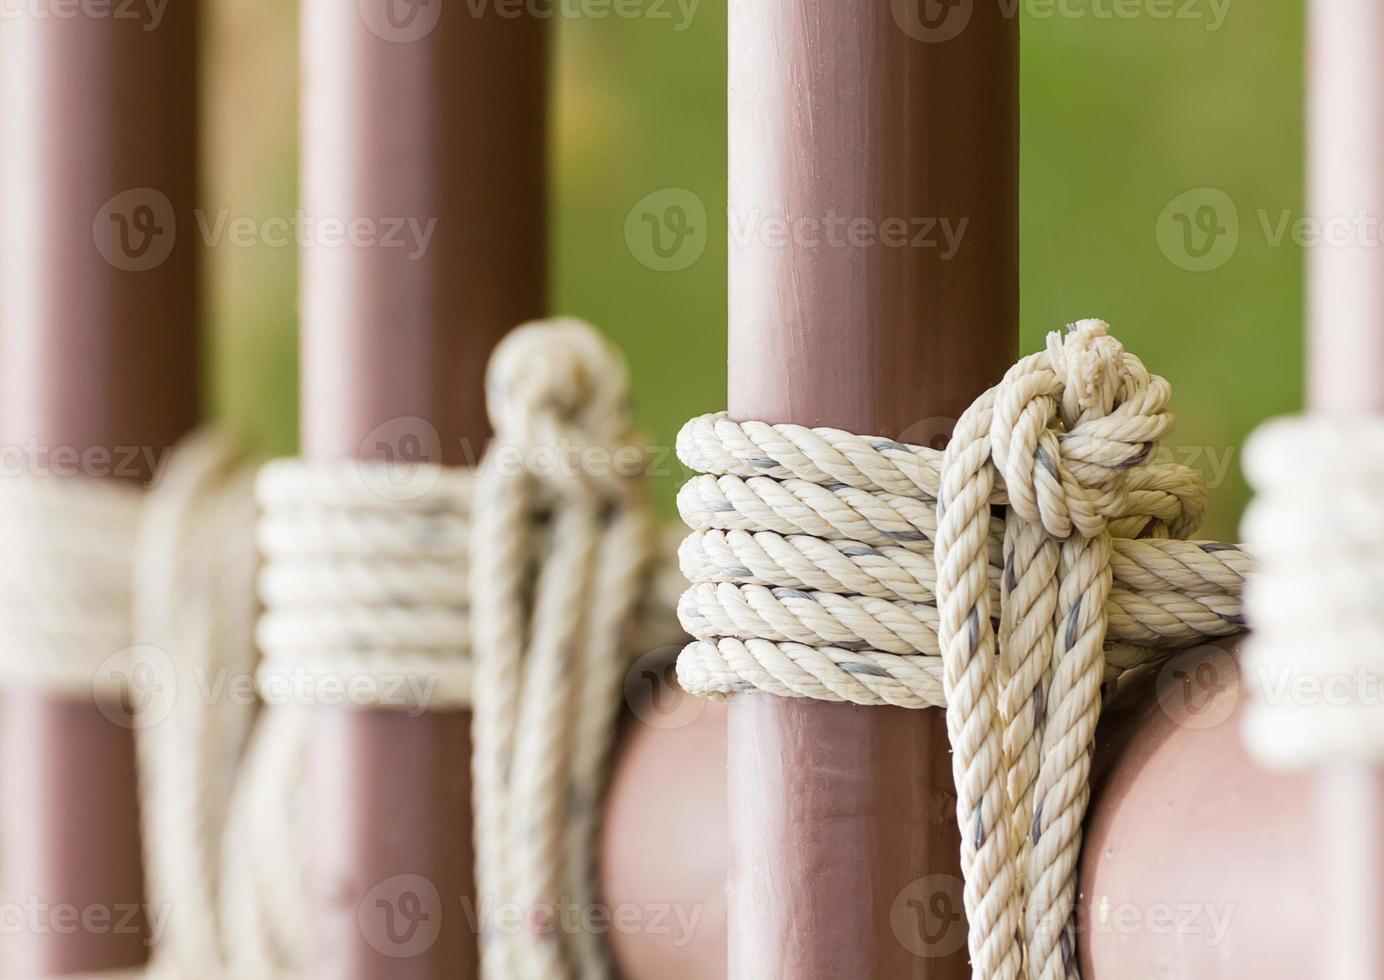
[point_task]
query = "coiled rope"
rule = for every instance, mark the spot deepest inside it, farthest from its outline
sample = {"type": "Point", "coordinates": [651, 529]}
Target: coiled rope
{"type": "Point", "coordinates": [144, 600]}
{"type": "Point", "coordinates": [523, 590]}
{"type": "Point", "coordinates": [1316, 525]}
{"type": "Point", "coordinates": [520, 590]}
{"type": "Point", "coordinates": [1005, 579]}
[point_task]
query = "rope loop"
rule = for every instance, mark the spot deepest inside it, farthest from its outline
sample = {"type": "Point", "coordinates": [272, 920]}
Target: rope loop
{"type": "Point", "coordinates": [1006, 579]}
{"type": "Point", "coordinates": [1067, 426]}
{"type": "Point", "coordinates": [559, 401]}
{"type": "Point", "coordinates": [563, 551]}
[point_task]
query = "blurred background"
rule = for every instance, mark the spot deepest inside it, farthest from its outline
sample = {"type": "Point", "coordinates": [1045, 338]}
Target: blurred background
{"type": "Point", "coordinates": [1161, 184]}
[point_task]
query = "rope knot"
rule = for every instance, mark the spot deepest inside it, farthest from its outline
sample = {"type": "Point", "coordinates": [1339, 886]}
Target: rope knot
{"type": "Point", "coordinates": [1087, 361]}
{"type": "Point", "coordinates": [559, 400]}
{"type": "Point", "coordinates": [1069, 423]}
{"type": "Point", "coordinates": [558, 380]}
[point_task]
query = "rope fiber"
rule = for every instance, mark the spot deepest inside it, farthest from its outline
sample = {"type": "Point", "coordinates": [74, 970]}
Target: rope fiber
{"type": "Point", "coordinates": [1006, 579]}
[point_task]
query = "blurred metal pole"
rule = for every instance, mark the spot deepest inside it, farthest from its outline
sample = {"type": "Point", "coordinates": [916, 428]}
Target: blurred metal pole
{"type": "Point", "coordinates": [98, 361]}
{"type": "Point", "coordinates": [1345, 122]}
{"type": "Point", "coordinates": [853, 120]}
{"type": "Point", "coordinates": [426, 118]}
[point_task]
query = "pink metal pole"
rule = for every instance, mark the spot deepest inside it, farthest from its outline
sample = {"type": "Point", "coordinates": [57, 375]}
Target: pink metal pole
{"type": "Point", "coordinates": [423, 125]}
{"type": "Point", "coordinates": [98, 362]}
{"type": "Point", "coordinates": [1346, 375]}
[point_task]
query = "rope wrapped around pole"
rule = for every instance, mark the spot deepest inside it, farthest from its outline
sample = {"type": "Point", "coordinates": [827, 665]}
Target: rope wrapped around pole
{"type": "Point", "coordinates": [1005, 579]}
{"type": "Point", "coordinates": [1316, 525]}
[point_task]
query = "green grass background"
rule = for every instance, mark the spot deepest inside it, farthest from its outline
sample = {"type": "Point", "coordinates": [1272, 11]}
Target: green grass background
{"type": "Point", "coordinates": [1121, 115]}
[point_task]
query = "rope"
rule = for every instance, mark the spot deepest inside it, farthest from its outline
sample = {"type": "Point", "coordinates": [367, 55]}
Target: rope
{"type": "Point", "coordinates": [1005, 579]}
{"type": "Point", "coordinates": [194, 603]}
{"type": "Point", "coordinates": [365, 584]}
{"type": "Point", "coordinates": [563, 550]}
{"type": "Point", "coordinates": [379, 583]}
{"type": "Point", "coordinates": [1316, 526]}
{"type": "Point", "coordinates": [144, 600]}
{"type": "Point", "coordinates": [65, 605]}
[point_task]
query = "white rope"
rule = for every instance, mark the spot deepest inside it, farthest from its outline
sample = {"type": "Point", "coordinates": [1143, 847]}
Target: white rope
{"type": "Point", "coordinates": [194, 604]}
{"type": "Point", "coordinates": [147, 598]}
{"type": "Point", "coordinates": [1005, 579]}
{"type": "Point", "coordinates": [1314, 662]}
{"type": "Point", "coordinates": [563, 552]}
{"type": "Point", "coordinates": [364, 584]}
{"type": "Point", "coordinates": [371, 574]}
{"type": "Point", "coordinates": [65, 594]}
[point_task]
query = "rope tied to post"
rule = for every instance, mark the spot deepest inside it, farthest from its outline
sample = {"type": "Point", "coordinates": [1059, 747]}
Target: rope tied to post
{"type": "Point", "coordinates": [1317, 528]}
{"type": "Point", "coordinates": [564, 544]}
{"type": "Point", "coordinates": [1005, 579]}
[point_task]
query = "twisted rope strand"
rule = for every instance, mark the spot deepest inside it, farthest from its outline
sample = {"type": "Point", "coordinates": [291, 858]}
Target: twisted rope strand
{"type": "Point", "coordinates": [554, 612]}
{"type": "Point", "coordinates": [1006, 579]}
